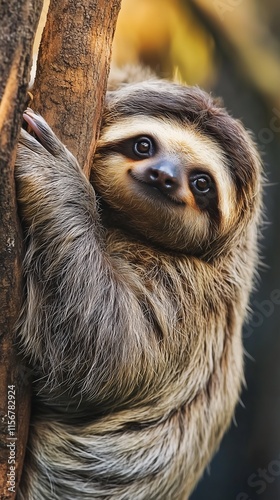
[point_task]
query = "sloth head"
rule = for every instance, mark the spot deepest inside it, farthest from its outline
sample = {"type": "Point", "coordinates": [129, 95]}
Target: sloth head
{"type": "Point", "coordinates": [173, 167]}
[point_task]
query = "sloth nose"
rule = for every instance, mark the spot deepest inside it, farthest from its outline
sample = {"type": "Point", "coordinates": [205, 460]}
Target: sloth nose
{"type": "Point", "coordinates": [165, 176]}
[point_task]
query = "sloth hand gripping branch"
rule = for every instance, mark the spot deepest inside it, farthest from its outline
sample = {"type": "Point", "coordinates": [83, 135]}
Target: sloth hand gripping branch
{"type": "Point", "coordinates": [79, 325]}
{"type": "Point", "coordinates": [137, 284]}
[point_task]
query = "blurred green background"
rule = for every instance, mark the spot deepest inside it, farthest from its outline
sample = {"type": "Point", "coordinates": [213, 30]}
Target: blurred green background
{"type": "Point", "coordinates": [232, 49]}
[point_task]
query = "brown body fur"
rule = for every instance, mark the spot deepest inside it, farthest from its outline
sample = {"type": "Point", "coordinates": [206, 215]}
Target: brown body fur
{"type": "Point", "coordinates": [135, 305]}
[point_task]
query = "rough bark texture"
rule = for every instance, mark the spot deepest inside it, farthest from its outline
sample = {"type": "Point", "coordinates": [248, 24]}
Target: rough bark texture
{"type": "Point", "coordinates": [18, 23]}
{"type": "Point", "coordinates": [69, 91]}
{"type": "Point", "coordinates": [72, 72]}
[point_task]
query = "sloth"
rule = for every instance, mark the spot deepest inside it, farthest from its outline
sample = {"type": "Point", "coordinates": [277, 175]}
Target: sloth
{"type": "Point", "coordinates": [137, 284]}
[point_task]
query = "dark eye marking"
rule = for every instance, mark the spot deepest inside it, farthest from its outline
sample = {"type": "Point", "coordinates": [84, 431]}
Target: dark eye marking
{"type": "Point", "coordinates": [135, 148]}
{"type": "Point", "coordinates": [205, 193]}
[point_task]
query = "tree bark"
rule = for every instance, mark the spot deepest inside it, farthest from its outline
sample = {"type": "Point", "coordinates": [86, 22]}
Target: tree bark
{"type": "Point", "coordinates": [73, 67]}
{"type": "Point", "coordinates": [18, 23]}
{"type": "Point", "coordinates": [72, 71]}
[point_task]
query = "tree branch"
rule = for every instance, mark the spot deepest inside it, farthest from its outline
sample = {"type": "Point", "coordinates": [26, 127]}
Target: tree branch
{"type": "Point", "coordinates": [18, 23]}
{"type": "Point", "coordinates": [72, 71]}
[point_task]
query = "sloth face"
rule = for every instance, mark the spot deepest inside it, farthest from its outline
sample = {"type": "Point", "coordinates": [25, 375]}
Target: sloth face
{"type": "Point", "coordinates": [162, 175]}
{"type": "Point", "coordinates": [167, 180]}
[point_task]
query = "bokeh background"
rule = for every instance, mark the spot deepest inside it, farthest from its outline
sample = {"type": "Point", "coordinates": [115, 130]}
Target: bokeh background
{"type": "Point", "coordinates": [231, 48]}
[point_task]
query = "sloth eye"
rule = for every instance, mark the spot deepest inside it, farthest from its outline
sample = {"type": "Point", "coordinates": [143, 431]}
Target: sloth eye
{"type": "Point", "coordinates": [201, 183]}
{"type": "Point", "coordinates": [135, 148]}
{"type": "Point", "coordinates": [143, 147]}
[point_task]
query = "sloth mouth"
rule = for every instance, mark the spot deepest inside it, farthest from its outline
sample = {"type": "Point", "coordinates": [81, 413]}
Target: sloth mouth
{"type": "Point", "coordinates": [154, 193]}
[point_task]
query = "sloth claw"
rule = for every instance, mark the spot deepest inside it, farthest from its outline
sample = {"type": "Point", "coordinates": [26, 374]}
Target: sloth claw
{"type": "Point", "coordinates": [43, 134]}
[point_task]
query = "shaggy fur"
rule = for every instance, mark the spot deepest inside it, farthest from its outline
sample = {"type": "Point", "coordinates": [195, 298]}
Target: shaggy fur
{"type": "Point", "coordinates": [135, 297]}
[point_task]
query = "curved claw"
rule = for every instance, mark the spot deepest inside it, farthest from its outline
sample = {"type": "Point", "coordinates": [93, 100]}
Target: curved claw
{"type": "Point", "coordinates": [43, 133]}
{"type": "Point", "coordinates": [28, 116]}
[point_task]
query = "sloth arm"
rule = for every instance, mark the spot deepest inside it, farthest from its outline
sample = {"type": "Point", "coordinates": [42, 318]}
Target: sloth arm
{"type": "Point", "coordinates": [80, 319]}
